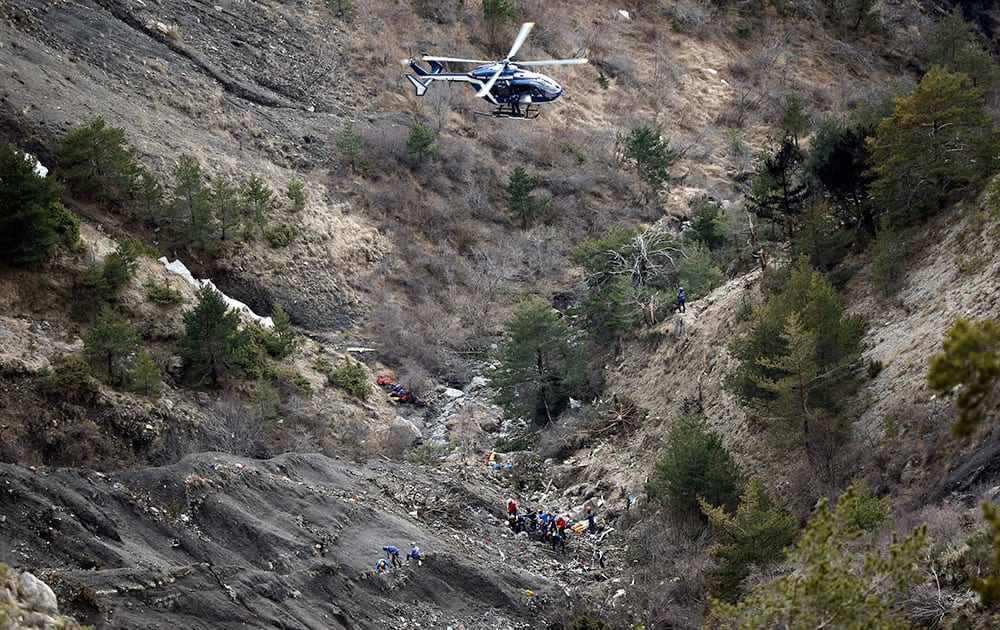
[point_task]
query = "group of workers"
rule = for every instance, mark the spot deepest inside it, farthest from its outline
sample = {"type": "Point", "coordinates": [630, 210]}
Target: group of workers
{"type": "Point", "coordinates": [391, 559]}
{"type": "Point", "coordinates": [551, 527]}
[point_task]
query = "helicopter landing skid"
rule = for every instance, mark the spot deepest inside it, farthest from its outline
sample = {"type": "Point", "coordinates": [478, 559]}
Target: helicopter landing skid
{"type": "Point", "coordinates": [502, 112]}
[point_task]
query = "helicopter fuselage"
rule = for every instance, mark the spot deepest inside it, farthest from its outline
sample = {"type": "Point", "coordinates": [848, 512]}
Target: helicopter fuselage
{"type": "Point", "coordinates": [513, 86]}
{"type": "Point", "coordinates": [518, 85]}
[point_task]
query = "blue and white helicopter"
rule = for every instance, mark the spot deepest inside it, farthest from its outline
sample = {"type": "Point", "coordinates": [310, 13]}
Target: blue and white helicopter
{"type": "Point", "coordinates": [503, 83]}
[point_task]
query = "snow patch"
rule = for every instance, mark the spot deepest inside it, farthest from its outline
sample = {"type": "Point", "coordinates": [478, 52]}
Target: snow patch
{"type": "Point", "coordinates": [181, 270]}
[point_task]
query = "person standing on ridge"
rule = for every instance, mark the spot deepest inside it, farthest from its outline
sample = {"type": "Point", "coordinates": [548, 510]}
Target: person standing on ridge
{"type": "Point", "coordinates": [681, 300]}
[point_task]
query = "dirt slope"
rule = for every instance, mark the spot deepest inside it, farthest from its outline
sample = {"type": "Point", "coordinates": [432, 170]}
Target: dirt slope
{"type": "Point", "coordinates": [215, 541]}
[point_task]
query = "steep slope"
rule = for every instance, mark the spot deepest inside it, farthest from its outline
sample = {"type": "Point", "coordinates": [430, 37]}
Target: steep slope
{"type": "Point", "coordinates": [264, 88]}
{"type": "Point", "coordinates": [215, 541]}
{"type": "Point", "coordinates": [901, 429]}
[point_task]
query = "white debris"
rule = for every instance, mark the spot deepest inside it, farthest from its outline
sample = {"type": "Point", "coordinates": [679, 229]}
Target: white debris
{"type": "Point", "coordinates": [181, 270]}
{"type": "Point", "coordinates": [625, 14]}
{"type": "Point", "coordinates": [40, 169]}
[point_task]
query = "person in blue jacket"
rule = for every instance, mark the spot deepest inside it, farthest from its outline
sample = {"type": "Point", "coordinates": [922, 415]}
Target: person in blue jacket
{"type": "Point", "coordinates": [681, 300]}
{"type": "Point", "coordinates": [392, 553]}
{"type": "Point", "coordinates": [382, 565]}
{"type": "Point", "coordinates": [591, 520]}
{"type": "Point", "coordinates": [415, 553]}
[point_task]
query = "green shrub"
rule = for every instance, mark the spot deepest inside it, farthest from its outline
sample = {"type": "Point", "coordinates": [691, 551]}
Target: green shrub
{"type": "Point", "coordinates": [430, 453]}
{"type": "Point", "coordinates": [420, 144]}
{"type": "Point", "coordinates": [297, 195]}
{"type": "Point", "coordinates": [352, 377]}
{"type": "Point", "coordinates": [250, 357]}
{"type": "Point", "coordinates": [69, 378]}
{"type": "Point", "coordinates": [513, 443]}
{"type": "Point", "coordinates": [282, 339]}
{"type": "Point", "coordinates": [280, 235]}
{"type": "Point", "coordinates": [576, 151]}
{"type": "Point", "coordinates": [588, 622]}
{"type": "Point", "coordinates": [694, 466]}
{"type": "Point", "coordinates": [756, 535]}
{"type": "Point", "coordinates": [163, 294]}
{"type": "Point", "coordinates": [887, 253]}
{"type": "Point", "coordinates": [120, 265]}
{"type": "Point", "coordinates": [33, 221]}
{"type": "Point", "coordinates": [145, 376]}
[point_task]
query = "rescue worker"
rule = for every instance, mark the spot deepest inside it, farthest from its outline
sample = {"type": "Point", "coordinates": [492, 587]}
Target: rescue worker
{"type": "Point", "coordinates": [392, 553]}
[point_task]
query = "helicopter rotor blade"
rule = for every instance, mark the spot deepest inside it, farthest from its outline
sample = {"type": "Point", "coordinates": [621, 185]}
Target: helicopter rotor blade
{"type": "Point", "coordinates": [455, 59]}
{"type": "Point", "coordinates": [553, 62]}
{"type": "Point", "coordinates": [519, 40]}
{"type": "Point", "coordinates": [489, 84]}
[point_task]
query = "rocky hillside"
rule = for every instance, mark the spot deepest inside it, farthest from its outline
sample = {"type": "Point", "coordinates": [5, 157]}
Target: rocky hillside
{"type": "Point", "coordinates": [215, 541]}
{"type": "Point", "coordinates": [125, 506]}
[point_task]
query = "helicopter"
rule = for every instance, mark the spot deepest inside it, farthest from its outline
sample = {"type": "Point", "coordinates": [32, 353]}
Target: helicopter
{"type": "Point", "coordinates": [504, 84]}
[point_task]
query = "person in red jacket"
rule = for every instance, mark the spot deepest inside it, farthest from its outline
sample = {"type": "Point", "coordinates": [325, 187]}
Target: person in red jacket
{"type": "Point", "coordinates": [511, 507]}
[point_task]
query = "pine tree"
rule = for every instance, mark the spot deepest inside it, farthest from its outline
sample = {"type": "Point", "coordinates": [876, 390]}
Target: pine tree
{"type": "Point", "coordinates": [258, 203]}
{"type": "Point", "coordinates": [707, 224]}
{"type": "Point", "coordinates": [296, 193]}
{"type": "Point", "coordinates": [352, 149]}
{"type": "Point", "coordinates": [282, 339]}
{"type": "Point", "coordinates": [145, 375]}
{"type": "Point", "coordinates": [650, 156]}
{"type": "Point", "coordinates": [968, 368]}
{"type": "Point", "coordinates": [799, 360]}
{"type": "Point", "coordinates": [694, 466]}
{"type": "Point", "coordinates": [829, 584]}
{"type": "Point", "coordinates": [837, 164]}
{"type": "Point", "coordinates": [190, 205]}
{"type": "Point", "coordinates": [540, 364]}
{"type": "Point", "coordinates": [522, 203]}
{"type": "Point", "coordinates": [755, 535]}
{"type": "Point", "coordinates": [149, 197]}
{"type": "Point", "coordinates": [98, 163]}
{"type": "Point", "coordinates": [795, 120]}
{"type": "Point", "coordinates": [938, 143]}
{"type": "Point", "coordinates": [497, 16]}
{"type": "Point", "coordinates": [109, 341]}
{"type": "Point", "coordinates": [955, 46]}
{"type": "Point", "coordinates": [210, 339]}
{"type": "Point", "coordinates": [225, 201]}
{"type": "Point", "coordinates": [33, 221]}
{"type": "Point", "coordinates": [420, 145]}
{"type": "Point", "coordinates": [777, 192]}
